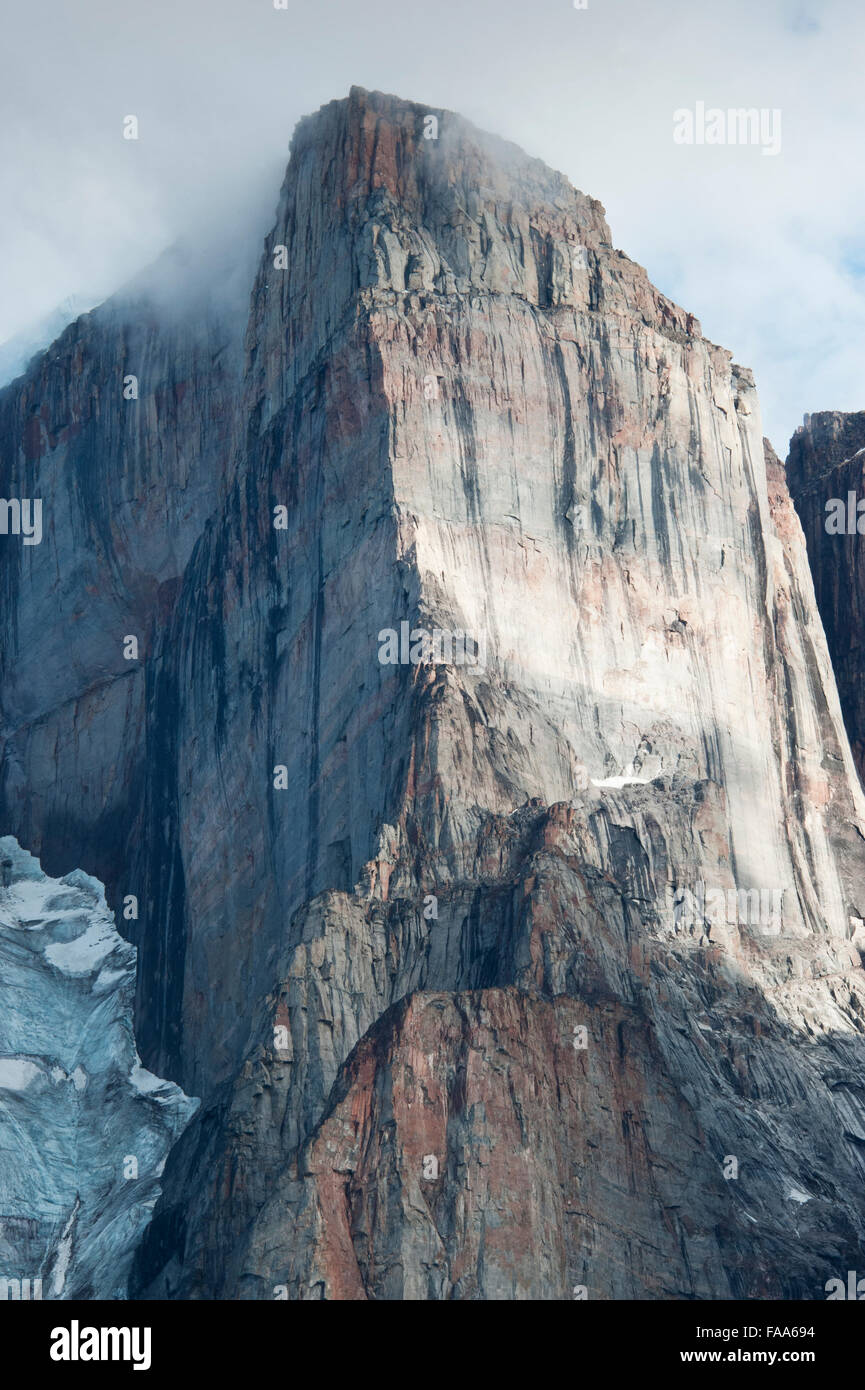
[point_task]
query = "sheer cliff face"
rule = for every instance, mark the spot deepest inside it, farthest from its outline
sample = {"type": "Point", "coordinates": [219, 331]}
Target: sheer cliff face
{"type": "Point", "coordinates": [825, 473]}
{"type": "Point", "coordinates": [454, 951]}
{"type": "Point", "coordinates": [122, 428]}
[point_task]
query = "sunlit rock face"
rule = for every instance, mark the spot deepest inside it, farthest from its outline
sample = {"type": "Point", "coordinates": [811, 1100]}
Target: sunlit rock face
{"type": "Point", "coordinates": [520, 972]}
{"type": "Point", "coordinates": [84, 1128]}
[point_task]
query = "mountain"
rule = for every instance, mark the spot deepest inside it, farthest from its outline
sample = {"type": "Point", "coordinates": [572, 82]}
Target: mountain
{"type": "Point", "coordinates": [16, 352]}
{"type": "Point", "coordinates": [527, 971]}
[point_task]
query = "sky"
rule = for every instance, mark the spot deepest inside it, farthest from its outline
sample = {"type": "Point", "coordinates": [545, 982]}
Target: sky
{"type": "Point", "coordinates": [767, 250]}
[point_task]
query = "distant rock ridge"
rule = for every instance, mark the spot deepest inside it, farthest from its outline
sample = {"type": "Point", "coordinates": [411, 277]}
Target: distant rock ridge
{"type": "Point", "coordinates": [19, 350]}
{"type": "Point", "coordinates": [535, 977]}
{"type": "Point", "coordinates": [825, 466]}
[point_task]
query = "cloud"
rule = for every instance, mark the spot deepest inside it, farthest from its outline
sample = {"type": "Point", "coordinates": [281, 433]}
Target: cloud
{"type": "Point", "coordinates": [763, 251]}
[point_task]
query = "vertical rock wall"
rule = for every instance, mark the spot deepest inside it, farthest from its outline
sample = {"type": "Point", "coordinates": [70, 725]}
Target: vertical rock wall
{"type": "Point", "coordinates": [507, 974]}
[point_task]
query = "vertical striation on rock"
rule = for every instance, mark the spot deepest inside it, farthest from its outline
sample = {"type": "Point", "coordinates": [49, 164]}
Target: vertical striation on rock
{"type": "Point", "coordinates": [825, 472]}
{"type": "Point", "coordinates": [503, 974]}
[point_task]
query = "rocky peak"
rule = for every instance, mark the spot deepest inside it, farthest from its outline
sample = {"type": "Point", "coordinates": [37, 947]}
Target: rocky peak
{"type": "Point", "coordinates": [484, 963]}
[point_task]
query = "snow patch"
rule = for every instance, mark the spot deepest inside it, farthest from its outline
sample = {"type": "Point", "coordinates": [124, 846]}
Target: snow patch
{"type": "Point", "coordinates": [75, 1101]}
{"type": "Point", "coordinates": [17, 1073]}
{"type": "Point", "coordinates": [85, 953]}
{"type": "Point", "coordinates": [64, 1252]}
{"type": "Point", "coordinates": [145, 1081]}
{"type": "Point", "coordinates": [619, 781]}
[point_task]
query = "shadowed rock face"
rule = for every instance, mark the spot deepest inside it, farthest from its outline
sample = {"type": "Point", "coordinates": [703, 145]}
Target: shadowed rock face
{"type": "Point", "coordinates": [825, 465]}
{"type": "Point", "coordinates": [522, 975]}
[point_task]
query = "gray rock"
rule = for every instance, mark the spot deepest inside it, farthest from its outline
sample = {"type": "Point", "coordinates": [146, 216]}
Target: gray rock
{"type": "Point", "coordinates": [825, 467]}
{"type": "Point", "coordinates": [380, 902]}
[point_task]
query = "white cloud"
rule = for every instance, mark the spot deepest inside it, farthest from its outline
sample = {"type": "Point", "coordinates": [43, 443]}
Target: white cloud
{"type": "Point", "coordinates": [764, 251]}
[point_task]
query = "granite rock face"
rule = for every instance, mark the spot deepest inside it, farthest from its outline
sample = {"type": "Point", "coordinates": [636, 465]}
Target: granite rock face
{"type": "Point", "coordinates": [527, 972]}
{"type": "Point", "coordinates": [84, 1128]}
{"type": "Point", "coordinates": [826, 464]}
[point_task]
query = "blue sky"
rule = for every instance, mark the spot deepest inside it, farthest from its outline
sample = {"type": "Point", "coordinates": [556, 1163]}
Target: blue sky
{"type": "Point", "coordinates": [768, 252]}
